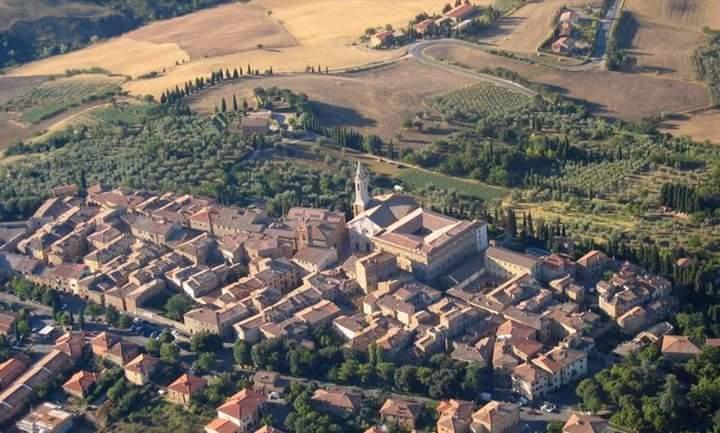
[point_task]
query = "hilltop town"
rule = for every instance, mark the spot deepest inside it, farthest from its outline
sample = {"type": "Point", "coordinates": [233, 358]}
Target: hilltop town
{"type": "Point", "coordinates": [359, 216]}
{"type": "Point", "coordinates": [396, 278]}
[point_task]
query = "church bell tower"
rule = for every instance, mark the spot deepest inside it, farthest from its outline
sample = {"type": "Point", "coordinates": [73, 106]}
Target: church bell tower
{"type": "Point", "coordinates": [362, 197]}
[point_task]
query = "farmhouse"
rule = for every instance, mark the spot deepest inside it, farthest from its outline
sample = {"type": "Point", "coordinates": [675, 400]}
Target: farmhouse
{"type": "Point", "coordinates": [382, 39]}
{"type": "Point", "coordinates": [256, 123]}
{"type": "Point", "coordinates": [461, 13]}
{"type": "Point", "coordinates": [424, 26]}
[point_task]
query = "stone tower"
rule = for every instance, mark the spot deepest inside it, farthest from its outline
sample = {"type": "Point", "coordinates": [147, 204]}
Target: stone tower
{"type": "Point", "coordinates": [362, 197]}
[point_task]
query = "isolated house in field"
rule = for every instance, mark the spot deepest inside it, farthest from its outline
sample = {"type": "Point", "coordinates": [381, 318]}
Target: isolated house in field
{"type": "Point", "coordinates": [563, 45]}
{"type": "Point", "coordinates": [256, 123]}
{"type": "Point", "coordinates": [382, 39]}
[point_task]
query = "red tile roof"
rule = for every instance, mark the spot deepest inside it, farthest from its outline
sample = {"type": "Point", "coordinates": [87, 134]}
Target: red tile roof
{"type": "Point", "coordinates": [188, 384]}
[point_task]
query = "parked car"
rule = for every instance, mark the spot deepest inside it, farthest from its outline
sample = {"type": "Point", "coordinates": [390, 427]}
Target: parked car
{"type": "Point", "coordinates": [548, 407]}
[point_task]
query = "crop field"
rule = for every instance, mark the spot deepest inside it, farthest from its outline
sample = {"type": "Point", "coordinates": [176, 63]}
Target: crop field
{"type": "Point", "coordinates": [526, 29]}
{"type": "Point", "coordinates": [669, 31]}
{"type": "Point", "coordinates": [701, 126]}
{"type": "Point", "coordinates": [623, 95]}
{"type": "Point", "coordinates": [55, 96]}
{"type": "Point", "coordinates": [372, 102]}
{"type": "Point", "coordinates": [420, 178]}
{"type": "Point", "coordinates": [481, 99]}
{"type": "Point", "coordinates": [218, 31]}
{"type": "Point", "coordinates": [12, 11]}
{"type": "Point", "coordinates": [287, 36]}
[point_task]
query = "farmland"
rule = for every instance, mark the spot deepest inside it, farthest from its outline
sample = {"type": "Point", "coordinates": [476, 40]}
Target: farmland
{"type": "Point", "coordinates": [700, 126]}
{"type": "Point", "coordinates": [628, 96]}
{"type": "Point", "coordinates": [55, 96]}
{"type": "Point", "coordinates": [373, 102]}
{"type": "Point", "coordinates": [287, 36]}
{"type": "Point", "coordinates": [478, 100]}
{"type": "Point", "coordinates": [668, 32]}
{"type": "Point", "coordinates": [421, 178]}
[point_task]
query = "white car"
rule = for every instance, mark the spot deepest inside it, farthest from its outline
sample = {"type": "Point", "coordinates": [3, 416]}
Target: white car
{"type": "Point", "coordinates": [548, 407]}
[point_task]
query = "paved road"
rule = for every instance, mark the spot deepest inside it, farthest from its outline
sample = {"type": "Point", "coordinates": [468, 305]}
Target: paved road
{"type": "Point", "coordinates": [418, 50]}
{"type": "Point", "coordinates": [607, 24]}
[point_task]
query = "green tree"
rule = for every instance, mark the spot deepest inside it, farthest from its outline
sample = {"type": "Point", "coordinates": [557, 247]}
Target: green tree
{"type": "Point", "coordinates": [205, 363]}
{"type": "Point", "coordinates": [94, 311]}
{"type": "Point", "coordinates": [124, 321]}
{"type": "Point", "coordinates": [169, 352]}
{"type": "Point", "coordinates": [242, 353]}
{"type": "Point", "coordinates": [153, 347]}
{"type": "Point", "coordinates": [206, 342]}
{"type": "Point", "coordinates": [112, 315]}
{"type": "Point", "coordinates": [590, 393]}
{"type": "Point", "coordinates": [177, 306]}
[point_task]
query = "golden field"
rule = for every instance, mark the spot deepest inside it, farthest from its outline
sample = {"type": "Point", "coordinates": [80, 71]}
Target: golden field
{"type": "Point", "coordinates": [287, 36]}
{"type": "Point", "coordinates": [669, 31]}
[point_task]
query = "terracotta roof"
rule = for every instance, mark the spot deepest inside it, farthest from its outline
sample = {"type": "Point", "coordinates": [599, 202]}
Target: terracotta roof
{"type": "Point", "coordinates": [123, 350]}
{"type": "Point", "coordinates": [268, 429]}
{"type": "Point", "coordinates": [340, 399]}
{"type": "Point", "coordinates": [557, 359]}
{"type": "Point", "coordinates": [400, 408]}
{"type": "Point", "coordinates": [491, 414]}
{"type": "Point", "coordinates": [12, 368]}
{"type": "Point", "coordinates": [104, 340]}
{"type": "Point", "coordinates": [456, 408]}
{"type": "Point", "coordinates": [677, 344]}
{"type": "Point", "coordinates": [6, 322]}
{"type": "Point", "coordinates": [222, 426]}
{"type": "Point", "coordinates": [510, 256]}
{"type": "Point", "coordinates": [142, 364]}
{"type": "Point", "coordinates": [242, 404]}
{"type": "Point", "coordinates": [188, 384]}
{"type": "Point", "coordinates": [578, 423]}
{"type": "Point", "coordinates": [528, 373]}
{"type": "Point", "coordinates": [81, 382]}
{"type": "Point", "coordinates": [461, 11]}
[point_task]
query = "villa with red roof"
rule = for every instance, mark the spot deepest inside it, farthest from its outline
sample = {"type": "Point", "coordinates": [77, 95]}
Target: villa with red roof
{"type": "Point", "coordinates": [182, 390]}
{"type": "Point", "coordinates": [239, 414]}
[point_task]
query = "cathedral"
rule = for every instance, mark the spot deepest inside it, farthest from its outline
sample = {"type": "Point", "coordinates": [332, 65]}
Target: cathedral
{"type": "Point", "coordinates": [373, 214]}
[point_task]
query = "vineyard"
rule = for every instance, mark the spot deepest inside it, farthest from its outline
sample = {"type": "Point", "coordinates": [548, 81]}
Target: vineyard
{"type": "Point", "coordinates": [55, 96]}
{"type": "Point", "coordinates": [478, 100]}
{"type": "Point", "coordinates": [418, 179]}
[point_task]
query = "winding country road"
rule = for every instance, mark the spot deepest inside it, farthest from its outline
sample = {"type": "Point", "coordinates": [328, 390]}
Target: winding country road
{"type": "Point", "coordinates": [417, 51]}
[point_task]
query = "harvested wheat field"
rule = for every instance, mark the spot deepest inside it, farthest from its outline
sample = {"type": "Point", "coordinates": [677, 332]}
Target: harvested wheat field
{"type": "Point", "coordinates": [287, 36]}
{"type": "Point", "coordinates": [528, 27]}
{"type": "Point", "coordinates": [121, 56]}
{"type": "Point", "coordinates": [218, 31]}
{"type": "Point", "coordinates": [667, 32]}
{"type": "Point", "coordinates": [700, 127]}
{"type": "Point", "coordinates": [623, 95]}
{"type": "Point", "coordinates": [372, 102]}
